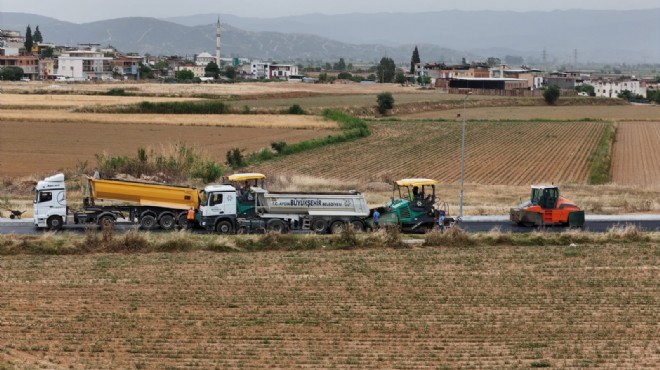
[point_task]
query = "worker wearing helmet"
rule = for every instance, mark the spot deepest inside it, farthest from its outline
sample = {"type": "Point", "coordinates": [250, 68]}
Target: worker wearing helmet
{"type": "Point", "coordinates": [191, 218]}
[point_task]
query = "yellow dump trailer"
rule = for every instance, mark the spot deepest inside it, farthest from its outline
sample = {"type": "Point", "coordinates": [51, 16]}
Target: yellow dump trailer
{"type": "Point", "coordinates": [145, 194]}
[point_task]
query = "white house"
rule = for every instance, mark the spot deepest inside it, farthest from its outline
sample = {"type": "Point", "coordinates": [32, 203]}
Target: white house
{"type": "Point", "coordinates": [84, 65]}
{"type": "Point", "coordinates": [612, 88]}
{"type": "Point", "coordinates": [283, 71]}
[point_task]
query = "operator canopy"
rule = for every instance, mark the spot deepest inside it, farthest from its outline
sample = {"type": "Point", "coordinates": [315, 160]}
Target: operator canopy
{"type": "Point", "coordinates": [416, 182]}
{"type": "Point", "coordinates": [246, 176]}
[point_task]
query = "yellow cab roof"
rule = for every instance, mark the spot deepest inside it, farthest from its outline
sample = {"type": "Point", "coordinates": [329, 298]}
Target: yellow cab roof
{"type": "Point", "coordinates": [416, 182]}
{"type": "Point", "coordinates": [246, 176]}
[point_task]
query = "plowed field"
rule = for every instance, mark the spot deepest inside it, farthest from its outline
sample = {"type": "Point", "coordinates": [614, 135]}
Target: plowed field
{"type": "Point", "coordinates": [636, 155]}
{"type": "Point", "coordinates": [479, 307]}
{"type": "Point", "coordinates": [28, 148]}
{"type": "Point", "coordinates": [496, 153]}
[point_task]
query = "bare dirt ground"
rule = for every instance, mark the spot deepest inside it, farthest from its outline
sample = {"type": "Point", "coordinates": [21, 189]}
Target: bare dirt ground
{"type": "Point", "coordinates": [30, 148]}
{"type": "Point", "coordinates": [636, 154]}
{"type": "Point", "coordinates": [479, 307]}
{"type": "Point", "coordinates": [619, 112]}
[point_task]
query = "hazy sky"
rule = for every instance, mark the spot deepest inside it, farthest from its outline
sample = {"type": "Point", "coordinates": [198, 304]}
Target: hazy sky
{"type": "Point", "coordinates": [81, 11]}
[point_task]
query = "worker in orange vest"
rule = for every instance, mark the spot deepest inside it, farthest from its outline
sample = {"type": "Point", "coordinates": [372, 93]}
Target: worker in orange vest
{"type": "Point", "coordinates": [191, 218]}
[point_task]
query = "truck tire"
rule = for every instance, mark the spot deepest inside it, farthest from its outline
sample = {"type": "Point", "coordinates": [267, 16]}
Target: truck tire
{"type": "Point", "coordinates": [276, 226]}
{"type": "Point", "coordinates": [358, 226]}
{"type": "Point", "coordinates": [337, 227]}
{"type": "Point", "coordinates": [166, 222]}
{"type": "Point", "coordinates": [148, 222]}
{"type": "Point", "coordinates": [224, 227]}
{"type": "Point", "coordinates": [54, 223]}
{"type": "Point", "coordinates": [182, 220]}
{"type": "Point", "coordinates": [319, 226]}
{"type": "Point", "coordinates": [107, 223]}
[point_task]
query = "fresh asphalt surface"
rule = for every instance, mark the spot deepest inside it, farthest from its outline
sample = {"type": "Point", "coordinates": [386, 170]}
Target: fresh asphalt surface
{"type": "Point", "coordinates": [594, 223]}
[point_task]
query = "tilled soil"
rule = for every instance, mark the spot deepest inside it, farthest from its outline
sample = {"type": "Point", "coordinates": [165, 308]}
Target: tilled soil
{"type": "Point", "coordinates": [479, 307]}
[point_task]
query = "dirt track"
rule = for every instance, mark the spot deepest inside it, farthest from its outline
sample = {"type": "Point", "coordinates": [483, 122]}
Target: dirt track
{"type": "Point", "coordinates": [636, 154]}
{"type": "Point", "coordinates": [28, 148]}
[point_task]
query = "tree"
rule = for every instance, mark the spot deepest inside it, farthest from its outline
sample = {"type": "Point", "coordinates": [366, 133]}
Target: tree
{"type": "Point", "coordinates": [424, 80]}
{"type": "Point", "coordinates": [230, 72]}
{"type": "Point", "coordinates": [386, 69]}
{"type": "Point", "coordinates": [184, 75]}
{"type": "Point", "coordinates": [47, 52]}
{"type": "Point", "coordinates": [340, 66]}
{"type": "Point", "coordinates": [385, 102]}
{"type": "Point", "coordinates": [344, 76]}
{"type": "Point", "coordinates": [11, 73]}
{"type": "Point", "coordinates": [28, 39]}
{"type": "Point", "coordinates": [400, 78]}
{"type": "Point", "coordinates": [146, 71]}
{"type": "Point", "coordinates": [323, 77]}
{"type": "Point", "coordinates": [36, 37]}
{"type": "Point", "coordinates": [492, 61]}
{"type": "Point", "coordinates": [551, 94]}
{"type": "Point", "coordinates": [589, 89]}
{"type": "Point", "coordinates": [212, 70]}
{"type": "Point", "coordinates": [414, 60]}
{"type": "Point", "coordinates": [235, 158]}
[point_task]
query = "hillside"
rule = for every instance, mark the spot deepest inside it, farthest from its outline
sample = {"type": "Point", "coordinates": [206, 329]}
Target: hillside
{"type": "Point", "coordinates": [598, 36]}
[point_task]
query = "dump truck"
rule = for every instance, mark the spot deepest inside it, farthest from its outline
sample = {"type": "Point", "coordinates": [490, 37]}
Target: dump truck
{"type": "Point", "coordinates": [414, 207]}
{"type": "Point", "coordinates": [149, 205]}
{"type": "Point", "coordinates": [221, 208]}
{"type": "Point", "coordinates": [547, 208]}
{"type": "Point", "coordinates": [263, 211]}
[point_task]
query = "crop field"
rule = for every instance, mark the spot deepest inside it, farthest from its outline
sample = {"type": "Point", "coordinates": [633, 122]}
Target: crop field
{"type": "Point", "coordinates": [513, 153]}
{"type": "Point", "coordinates": [636, 154]}
{"type": "Point", "coordinates": [37, 101]}
{"type": "Point", "coordinates": [574, 112]}
{"type": "Point", "coordinates": [477, 307]}
{"type": "Point", "coordinates": [30, 148]}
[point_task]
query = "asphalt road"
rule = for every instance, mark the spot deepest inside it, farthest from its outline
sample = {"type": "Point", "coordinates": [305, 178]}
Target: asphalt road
{"type": "Point", "coordinates": [470, 224]}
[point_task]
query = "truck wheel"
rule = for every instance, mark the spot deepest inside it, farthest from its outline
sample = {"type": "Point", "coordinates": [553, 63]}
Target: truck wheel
{"type": "Point", "coordinates": [54, 223]}
{"type": "Point", "coordinates": [148, 222]}
{"type": "Point", "coordinates": [337, 227]}
{"type": "Point", "coordinates": [319, 226]}
{"type": "Point", "coordinates": [166, 222]}
{"type": "Point", "coordinates": [107, 223]}
{"type": "Point", "coordinates": [276, 226]}
{"type": "Point", "coordinates": [182, 220]}
{"type": "Point", "coordinates": [357, 225]}
{"type": "Point", "coordinates": [224, 227]}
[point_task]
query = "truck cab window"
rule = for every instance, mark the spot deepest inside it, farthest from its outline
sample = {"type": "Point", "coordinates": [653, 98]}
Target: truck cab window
{"type": "Point", "coordinates": [45, 196]}
{"type": "Point", "coordinates": [215, 198]}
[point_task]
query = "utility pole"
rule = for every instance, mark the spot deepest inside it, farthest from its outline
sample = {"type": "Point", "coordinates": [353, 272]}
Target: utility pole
{"type": "Point", "coordinates": [460, 211]}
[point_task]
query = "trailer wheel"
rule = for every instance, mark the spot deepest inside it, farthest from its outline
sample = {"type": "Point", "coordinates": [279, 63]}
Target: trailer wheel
{"type": "Point", "coordinates": [148, 222]}
{"type": "Point", "coordinates": [357, 225]}
{"type": "Point", "coordinates": [182, 220]}
{"type": "Point", "coordinates": [54, 223]}
{"type": "Point", "coordinates": [276, 226]}
{"type": "Point", "coordinates": [337, 227]}
{"type": "Point", "coordinates": [319, 226]}
{"type": "Point", "coordinates": [166, 222]}
{"type": "Point", "coordinates": [224, 227]}
{"type": "Point", "coordinates": [107, 223]}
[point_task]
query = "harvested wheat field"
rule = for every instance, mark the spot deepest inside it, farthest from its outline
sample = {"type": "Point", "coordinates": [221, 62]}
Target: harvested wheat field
{"type": "Point", "coordinates": [51, 101]}
{"type": "Point", "coordinates": [477, 307]}
{"type": "Point", "coordinates": [636, 154]}
{"type": "Point", "coordinates": [496, 153]}
{"type": "Point", "coordinates": [577, 112]}
{"type": "Point", "coordinates": [44, 147]}
{"type": "Point", "coordinates": [246, 89]}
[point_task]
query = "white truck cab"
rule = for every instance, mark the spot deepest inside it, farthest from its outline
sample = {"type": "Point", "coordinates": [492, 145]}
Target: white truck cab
{"type": "Point", "coordinates": [50, 203]}
{"type": "Point", "coordinates": [218, 210]}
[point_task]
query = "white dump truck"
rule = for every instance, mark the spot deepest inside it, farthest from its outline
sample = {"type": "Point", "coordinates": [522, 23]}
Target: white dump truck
{"type": "Point", "coordinates": [317, 212]}
{"type": "Point", "coordinates": [220, 208]}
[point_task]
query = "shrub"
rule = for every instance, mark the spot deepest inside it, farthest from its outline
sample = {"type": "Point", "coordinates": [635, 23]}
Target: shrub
{"type": "Point", "coordinates": [235, 158]}
{"type": "Point", "coordinates": [116, 92]}
{"type": "Point", "coordinates": [296, 109]}
{"type": "Point", "coordinates": [187, 107]}
{"type": "Point", "coordinates": [551, 94]}
{"type": "Point", "coordinates": [278, 146]}
{"type": "Point", "coordinates": [385, 102]}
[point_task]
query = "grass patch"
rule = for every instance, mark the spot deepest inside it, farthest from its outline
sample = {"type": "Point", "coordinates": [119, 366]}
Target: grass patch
{"type": "Point", "coordinates": [601, 159]}
{"type": "Point", "coordinates": [352, 128]}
